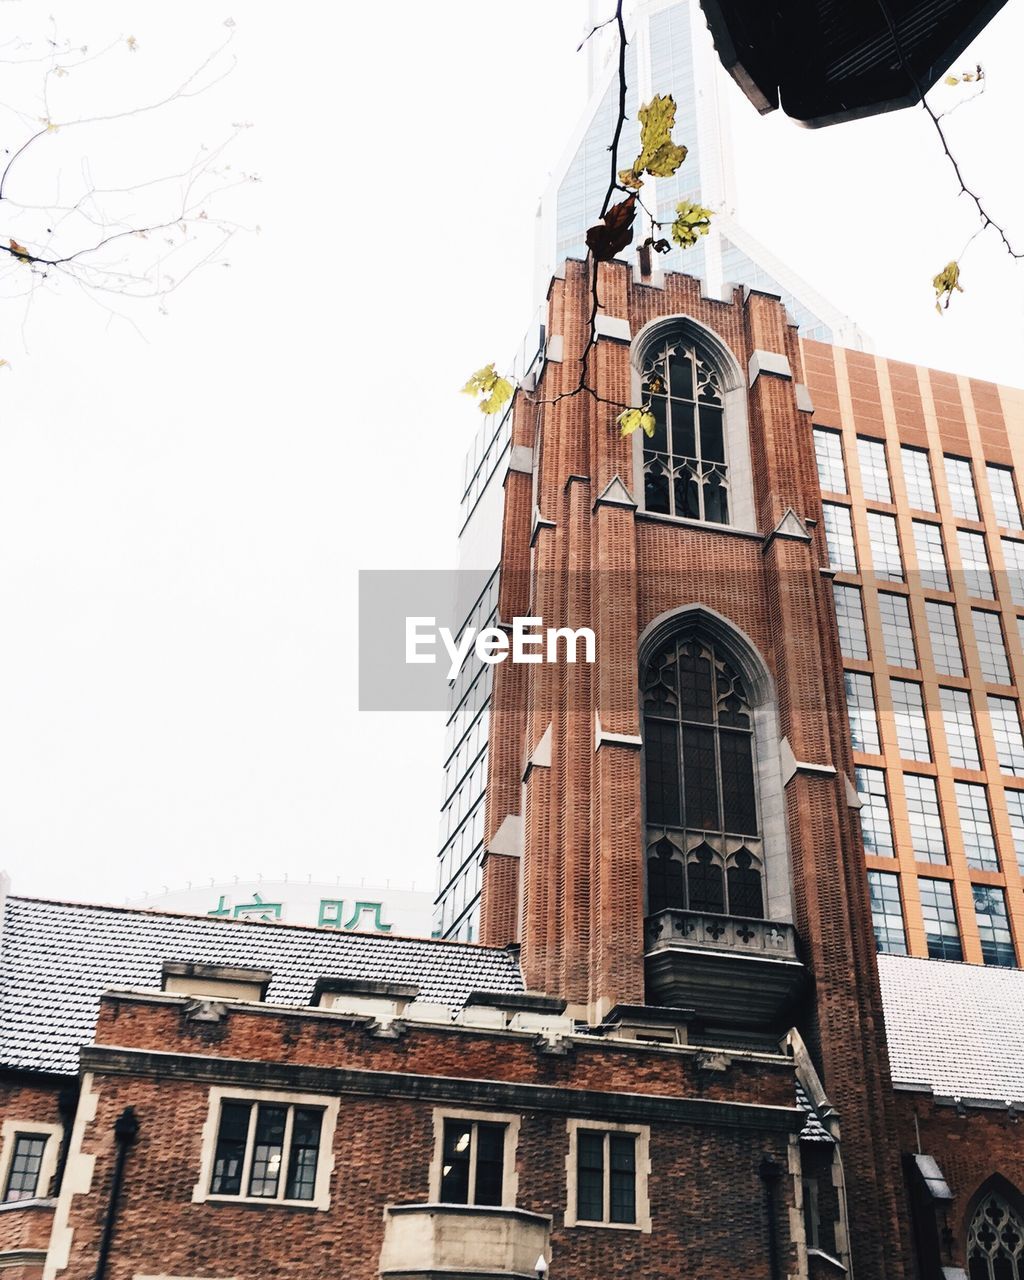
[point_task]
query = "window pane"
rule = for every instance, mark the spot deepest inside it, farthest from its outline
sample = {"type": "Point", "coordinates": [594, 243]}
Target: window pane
{"type": "Point", "coordinates": [974, 555]}
{"type": "Point", "coordinates": [897, 632]}
{"type": "Point", "coordinates": [1004, 496]}
{"type": "Point", "coordinates": [940, 925]}
{"type": "Point", "coordinates": [1015, 808]}
{"type": "Point", "coordinates": [961, 488]}
{"type": "Point", "coordinates": [661, 762]}
{"type": "Point", "coordinates": [853, 639]}
{"type": "Point", "coordinates": [590, 1175]}
{"type": "Point", "coordinates": [887, 913]}
{"type": "Point", "coordinates": [304, 1154]}
{"type": "Point", "coordinates": [911, 728]}
{"type": "Point", "coordinates": [931, 557]}
{"type": "Point", "coordinates": [458, 1138]}
{"type": "Point", "coordinates": [944, 637]}
{"type": "Point", "coordinates": [976, 825]}
{"type": "Point", "coordinates": [622, 1182]}
{"type": "Point", "coordinates": [875, 823]}
{"type": "Point", "coordinates": [961, 740]}
{"type": "Point", "coordinates": [268, 1148]}
{"type": "Point", "coordinates": [26, 1162]}
{"type": "Point", "coordinates": [926, 835]}
{"type": "Point", "coordinates": [839, 537]}
{"type": "Point", "coordinates": [739, 807]}
{"type": "Point", "coordinates": [490, 1160]}
{"type": "Point", "coordinates": [700, 779]}
{"type": "Point", "coordinates": [993, 926]}
{"type": "Point", "coordinates": [1013, 554]}
{"type": "Point", "coordinates": [874, 471]}
{"type": "Point", "coordinates": [230, 1154]}
{"type": "Point", "coordinates": [1006, 731]}
{"type": "Point", "coordinates": [885, 546]}
{"type": "Point", "coordinates": [828, 452]}
{"type": "Point", "coordinates": [860, 705]}
{"type": "Point", "coordinates": [917, 475]}
{"type": "Point", "coordinates": [988, 633]}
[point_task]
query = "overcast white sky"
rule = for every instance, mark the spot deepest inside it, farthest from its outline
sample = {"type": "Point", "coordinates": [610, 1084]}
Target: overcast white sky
{"type": "Point", "coordinates": [183, 514]}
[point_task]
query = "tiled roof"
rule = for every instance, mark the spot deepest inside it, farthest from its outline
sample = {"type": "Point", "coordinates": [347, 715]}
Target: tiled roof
{"type": "Point", "coordinates": [57, 957]}
{"type": "Point", "coordinates": [957, 1028]}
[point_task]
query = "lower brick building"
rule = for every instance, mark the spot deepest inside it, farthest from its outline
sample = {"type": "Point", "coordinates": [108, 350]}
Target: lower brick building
{"type": "Point", "coordinates": [679, 1051]}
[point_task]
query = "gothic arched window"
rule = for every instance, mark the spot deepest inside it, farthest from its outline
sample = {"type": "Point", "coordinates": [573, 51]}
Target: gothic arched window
{"type": "Point", "coordinates": [685, 471]}
{"type": "Point", "coordinates": [703, 840]}
{"type": "Point", "coordinates": [995, 1242]}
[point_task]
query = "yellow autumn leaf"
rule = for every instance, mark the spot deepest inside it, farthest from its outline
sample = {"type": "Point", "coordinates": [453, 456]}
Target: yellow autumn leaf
{"type": "Point", "coordinates": [501, 393]}
{"type": "Point", "coordinates": [945, 283]}
{"type": "Point", "coordinates": [659, 155]}
{"type": "Point", "coordinates": [631, 420]}
{"type": "Point", "coordinates": [482, 381]}
{"type": "Point", "coordinates": [952, 80]}
{"type": "Point", "coordinates": [630, 178]}
{"type": "Point", "coordinates": [19, 250]}
{"type": "Point", "coordinates": [692, 221]}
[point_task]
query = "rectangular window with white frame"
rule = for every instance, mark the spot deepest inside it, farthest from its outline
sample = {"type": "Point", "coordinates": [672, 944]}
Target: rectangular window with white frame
{"type": "Point", "coordinates": [267, 1148]}
{"type": "Point", "coordinates": [474, 1158]}
{"type": "Point", "coordinates": [28, 1159]}
{"type": "Point", "coordinates": [608, 1167]}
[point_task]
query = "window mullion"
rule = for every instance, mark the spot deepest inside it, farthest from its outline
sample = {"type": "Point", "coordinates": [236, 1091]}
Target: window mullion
{"type": "Point", "coordinates": [250, 1143]}
{"type": "Point", "coordinates": [607, 1161]}
{"type": "Point", "coordinates": [473, 1150]}
{"type": "Point", "coordinates": [286, 1148]}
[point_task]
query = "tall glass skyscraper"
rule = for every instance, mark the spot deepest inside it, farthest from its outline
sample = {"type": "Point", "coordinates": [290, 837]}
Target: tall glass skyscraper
{"type": "Point", "coordinates": [669, 51]}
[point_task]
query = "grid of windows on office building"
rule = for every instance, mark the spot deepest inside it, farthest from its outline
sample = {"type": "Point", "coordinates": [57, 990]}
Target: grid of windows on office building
{"type": "Point", "coordinates": [465, 780]}
{"type": "Point", "coordinates": [974, 557]}
{"type": "Point", "coordinates": [1015, 809]}
{"type": "Point", "coordinates": [860, 705]}
{"type": "Point", "coordinates": [875, 822]}
{"type": "Point", "coordinates": [842, 554]}
{"type": "Point", "coordinates": [911, 726]}
{"type": "Point", "coordinates": [941, 931]}
{"type": "Point", "coordinates": [1013, 555]}
{"type": "Point", "coordinates": [885, 546]}
{"type": "Point", "coordinates": [1004, 496]}
{"type": "Point", "coordinates": [958, 722]}
{"type": "Point", "coordinates": [874, 470]}
{"type": "Point", "coordinates": [931, 556]}
{"type": "Point", "coordinates": [897, 632]}
{"type": "Point", "coordinates": [828, 452]}
{"type": "Point", "coordinates": [976, 826]}
{"type": "Point", "coordinates": [988, 635]}
{"type": "Point", "coordinates": [917, 476]}
{"type": "Point", "coordinates": [944, 637]}
{"type": "Point", "coordinates": [960, 483]}
{"type": "Point", "coordinates": [1005, 719]}
{"type": "Point", "coordinates": [926, 836]}
{"type": "Point", "coordinates": [993, 926]}
{"type": "Point", "coordinates": [887, 912]}
{"type": "Point", "coordinates": [853, 640]}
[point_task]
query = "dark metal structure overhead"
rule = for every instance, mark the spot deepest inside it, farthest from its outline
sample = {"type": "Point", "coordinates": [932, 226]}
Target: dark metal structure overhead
{"type": "Point", "coordinates": [824, 61]}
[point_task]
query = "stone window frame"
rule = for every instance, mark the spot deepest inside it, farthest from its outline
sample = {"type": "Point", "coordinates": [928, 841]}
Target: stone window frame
{"type": "Point", "coordinates": [512, 1121]}
{"type": "Point", "coordinates": [14, 1128]}
{"type": "Point", "coordinates": [219, 1094]}
{"type": "Point", "coordinates": [735, 417]}
{"type": "Point", "coordinates": [642, 1132]}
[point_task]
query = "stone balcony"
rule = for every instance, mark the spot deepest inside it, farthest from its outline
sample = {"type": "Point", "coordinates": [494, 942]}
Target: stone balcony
{"type": "Point", "coordinates": [462, 1242]}
{"type": "Point", "coordinates": [733, 972]}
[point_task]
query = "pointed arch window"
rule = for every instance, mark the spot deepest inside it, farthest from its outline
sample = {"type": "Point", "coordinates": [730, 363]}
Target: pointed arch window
{"type": "Point", "coordinates": [995, 1241]}
{"type": "Point", "coordinates": [703, 838]}
{"type": "Point", "coordinates": [685, 467]}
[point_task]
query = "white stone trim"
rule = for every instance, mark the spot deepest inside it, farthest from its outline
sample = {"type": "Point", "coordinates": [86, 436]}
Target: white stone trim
{"type": "Point", "coordinates": [509, 1173]}
{"type": "Point", "coordinates": [508, 839]}
{"type": "Point", "coordinates": [13, 1128]}
{"type": "Point", "coordinates": [614, 327]}
{"type": "Point", "coordinates": [553, 351]}
{"type": "Point", "coordinates": [768, 362]}
{"type": "Point", "coordinates": [643, 1170]}
{"type": "Point", "coordinates": [325, 1162]}
{"type": "Point", "coordinates": [803, 398]}
{"type": "Point", "coordinates": [77, 1180]}
{"type": "Point", "coordinates": [521, 459]}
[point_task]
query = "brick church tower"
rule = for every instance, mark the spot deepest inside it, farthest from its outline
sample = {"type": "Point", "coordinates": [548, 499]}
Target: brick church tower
{"type": "Point", "coordinates": [677, 824]}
